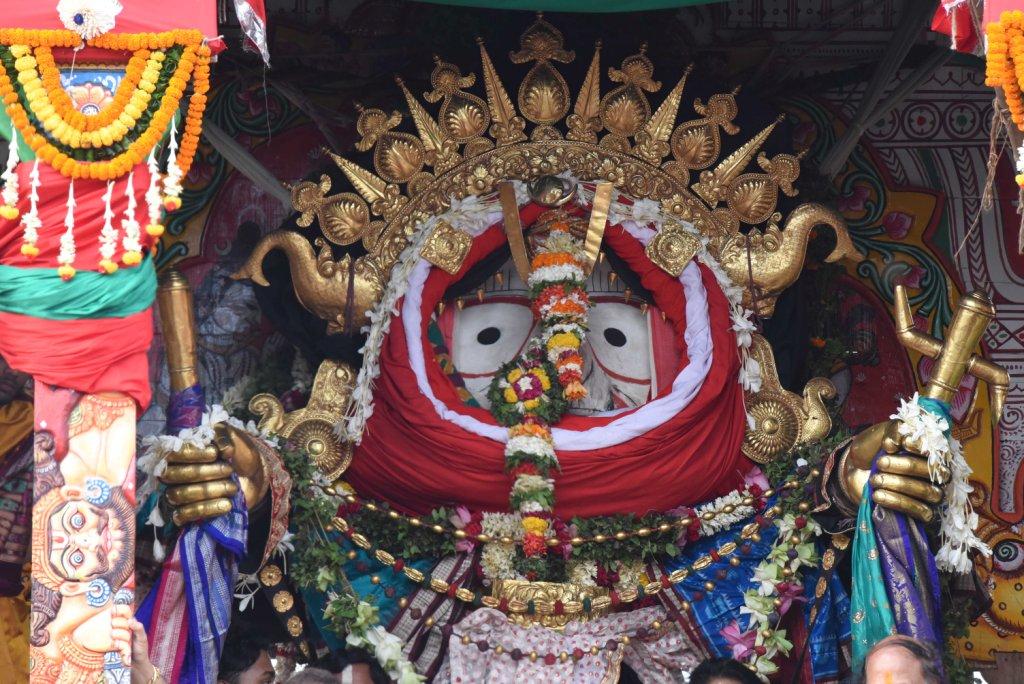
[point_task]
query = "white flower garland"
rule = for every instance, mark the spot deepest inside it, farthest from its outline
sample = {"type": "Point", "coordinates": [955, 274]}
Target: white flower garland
{"type": "Point", "coordinates": [153, 461]}
{"type": "Point", "coordinates": [130, 225]}
{"type": "Point", "coordinates": [66, 255]}
{"type": "Point", "coordinates": [153, 200]}
{"type": "Point", "coordinates": [719, 519]}
{"type": "Point", "coordinates": [173, 177]}
{"type": "Point", "coordinates": [958, 519]}
{"type": "Point", "coordinates": [10, 177]}
{"type": "Point", "coordinates": [31, 220]}
{"type": "Point", "coordinates": [108, 234]}
{"type": "Point", "coordinates": [366, 633]}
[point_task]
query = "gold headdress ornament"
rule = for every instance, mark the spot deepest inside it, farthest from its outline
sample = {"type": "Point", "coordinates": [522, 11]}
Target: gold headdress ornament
{"type": "Point", "coordinates": [476, 142]}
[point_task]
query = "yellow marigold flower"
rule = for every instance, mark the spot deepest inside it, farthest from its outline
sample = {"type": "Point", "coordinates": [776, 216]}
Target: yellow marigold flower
{"type": "Point", "coordinates": [510, 395]}
{"type": "Point", "coordinates": [545, 381]}
{"type": "Point", "coordinates": [535, 525]}
{"type": "Point", "coordinates": [531, 404]}
{"type": "Point", "coordinates": [514, 374]}
{"type": "Point", "coordinates": [20, 50]}
{"type": "Point", "coordinates": [25, 62]}
{"type": "Point", "coordinates": [564, 339]}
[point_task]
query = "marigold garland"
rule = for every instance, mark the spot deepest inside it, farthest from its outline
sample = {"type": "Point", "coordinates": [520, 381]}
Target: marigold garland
{"type": "Point", "coordinates": [141, 111]}
{"type": "Point", "coordinates": [1004, 66]}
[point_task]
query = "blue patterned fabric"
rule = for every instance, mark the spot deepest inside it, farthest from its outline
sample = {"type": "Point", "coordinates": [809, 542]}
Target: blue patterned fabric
{"type": "Point", "coordinates": [210, 552]}
{"type": "Point", "coordinates": [714, 611]}
{"type": "Point", "coordinates": [359, 572]}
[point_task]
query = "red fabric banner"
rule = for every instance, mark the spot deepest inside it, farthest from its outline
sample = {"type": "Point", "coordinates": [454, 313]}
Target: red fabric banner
{"type": "Point", "coordinates": [416, 461]}
{"type": "Point", "coordinates": [87, 355]}
{"type": "Point", "coordinates": [89, 206]}
{"type": "Point", "coordinates": [137, 16]}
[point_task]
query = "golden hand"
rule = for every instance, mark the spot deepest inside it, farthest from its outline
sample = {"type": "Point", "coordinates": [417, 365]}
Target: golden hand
{"type": "Point", "coordinates": [199, 480]}
{"type": "Point", "coordinates": [901, 481]}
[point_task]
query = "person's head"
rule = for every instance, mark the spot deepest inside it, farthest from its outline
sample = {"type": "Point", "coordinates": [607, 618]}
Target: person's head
{"type": "Point", "coordinates": [313, 675]}
{"type": "Point", "coordinates": [901, 660]}
{"type": "Point", "coordinates": [722, 671]}
{"type": "Point", "coordinates": [246, 656]}
{"type": "Point", "coordinates": [12, 382]}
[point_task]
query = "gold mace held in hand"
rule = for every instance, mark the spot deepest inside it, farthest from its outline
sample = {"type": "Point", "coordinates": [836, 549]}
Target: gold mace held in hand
{"type": "Point", "coordinates": [955, 357]}
{"type": "Point", "coordinates": [178, 325]}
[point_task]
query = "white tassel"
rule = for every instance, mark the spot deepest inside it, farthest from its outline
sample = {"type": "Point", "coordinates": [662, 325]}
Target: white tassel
{"type": "Point", "coordinates": [66, 256]}
{"type": "Point", "coordinates": [154, 228]}
{"type": "Point", "coordinates": [108, 235]}
{"type": "Point", "coordinates": [31, 222]}
{"type": "Point", "coordinates": [130, 225]}
{"type": "Point", "coordinates": [172, 180]}
{"type": "Point", "coordinates": [159, 553]}
{"type": "Point", "coordinates": [9, 210]}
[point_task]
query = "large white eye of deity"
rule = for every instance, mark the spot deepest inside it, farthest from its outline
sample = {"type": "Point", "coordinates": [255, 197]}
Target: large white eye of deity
{"type": "Point", "coordinates": [619, 360]}
{"type": "Point", "coordinates": [619, 346]}
{"type": "Point", "coordinates": [486, 335]}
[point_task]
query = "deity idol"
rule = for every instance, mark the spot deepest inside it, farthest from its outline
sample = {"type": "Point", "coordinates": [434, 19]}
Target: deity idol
{"type": "Point", "coordinates": [546, 464]}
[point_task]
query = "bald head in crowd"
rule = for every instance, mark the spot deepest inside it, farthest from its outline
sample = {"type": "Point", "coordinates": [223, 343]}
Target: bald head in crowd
{"type": "Point", "coordinates": [901, 660]}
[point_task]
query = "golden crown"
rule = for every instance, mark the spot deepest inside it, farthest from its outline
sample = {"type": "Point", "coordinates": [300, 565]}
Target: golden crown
{"type": "Point", "coordinates": [474, 143]}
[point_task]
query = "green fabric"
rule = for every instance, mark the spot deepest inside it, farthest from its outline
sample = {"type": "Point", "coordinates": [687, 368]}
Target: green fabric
{"type": "Point", "coordinates": [24, 151]}
{"type": "Point", "coordinates": [40, 292]}
{"type": "Point", "coordinates": [589, 6]}
{"type": "Point", "coordinates": [871, 614]}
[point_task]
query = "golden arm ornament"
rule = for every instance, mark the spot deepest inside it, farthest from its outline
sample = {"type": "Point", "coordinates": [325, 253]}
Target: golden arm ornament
{"type": "Point", "coordinates": [199, 484]}
{"type": "Point", "coordinates": [902, 480]}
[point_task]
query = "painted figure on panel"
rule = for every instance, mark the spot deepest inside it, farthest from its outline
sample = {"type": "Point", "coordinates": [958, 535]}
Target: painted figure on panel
{"type": "Point", "coordinates": [82, 545]}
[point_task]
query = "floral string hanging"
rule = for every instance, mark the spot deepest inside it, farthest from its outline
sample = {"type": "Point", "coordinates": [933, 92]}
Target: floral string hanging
{"type": "Point", "coordinates": [31, 221]}
{"type": "Point", "coordinates": [533, 391]}
{"type": "Point", "coordinates": [66, 256]}
{"type": "Point", "coordinates": [108, 236]}
{"type": "Point", "coordinates": [130, 225]}
{"type": "Point", "coordinates": [153, 202]}
{"type": "Point", "coordinates": [9, 210]}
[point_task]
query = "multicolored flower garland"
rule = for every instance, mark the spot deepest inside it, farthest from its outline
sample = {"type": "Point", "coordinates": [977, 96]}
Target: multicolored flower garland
{"type": "Point", "coordinates": [533, 391]}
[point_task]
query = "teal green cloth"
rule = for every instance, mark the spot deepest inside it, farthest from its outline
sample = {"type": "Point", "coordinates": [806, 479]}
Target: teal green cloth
{"type": "Point", "coordinates": [40, 293]}
{"type": "Point", "coordinates": [589, 6]}
{"type": "Point", "coordinates": [871, 614]}
{"type": "Point", "coordinates": [25, 152]}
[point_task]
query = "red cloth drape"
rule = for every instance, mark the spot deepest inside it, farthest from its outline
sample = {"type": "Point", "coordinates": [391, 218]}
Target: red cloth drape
{"type": "Point", "coordinates": [89, 207]}
{"type": "Point", "coordinates": [136, 16]}
{"type": "Point", "coordinates": [87, 355]}
{"type": "Point", "coordinates": [417, 462]}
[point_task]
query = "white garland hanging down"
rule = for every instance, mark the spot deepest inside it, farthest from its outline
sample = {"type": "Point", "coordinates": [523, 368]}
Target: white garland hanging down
{"type": "Point", "coordinates": [958, 519]}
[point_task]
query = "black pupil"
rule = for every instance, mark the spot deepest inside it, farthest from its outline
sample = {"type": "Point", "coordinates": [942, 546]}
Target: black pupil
{"type": "Point", "coordinates": [1006, 551]}
{"type": "Point", "coordinates": [488, 335]}
{"type": "Point", "coordinates": [615, 337]}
